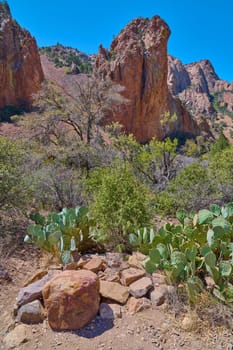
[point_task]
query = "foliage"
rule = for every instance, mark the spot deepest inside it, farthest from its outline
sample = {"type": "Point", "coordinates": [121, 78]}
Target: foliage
{"type": "Point", "coordinates": [120, 203]}
{"type": "Point", "coordinates": [220, 144]}
{"type": "Point", "coordinates": [142, 239]}
{"type": "Point", "coordinates": [13, 186]}
{"type": "Point", "coordinates": [199, 246]}
{"type": "Point", "coordinates": [221, 173]}
{"type": "Point", "coordinates": [195, 148]}
{"type": "Point", "coordinates": [190, 189]}
{"type": "Point", "coordinates": [66, 56]}
{"type": "Point", "coordinates": [60, 233]}
{"type": "Point", "coordinates": [152, 162]}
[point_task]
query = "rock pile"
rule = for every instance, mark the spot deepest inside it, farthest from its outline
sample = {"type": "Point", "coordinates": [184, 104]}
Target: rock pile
{"type": "Point", "coordinates": [108, 285]}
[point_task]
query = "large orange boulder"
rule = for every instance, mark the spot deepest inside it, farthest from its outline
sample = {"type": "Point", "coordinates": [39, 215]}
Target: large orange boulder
{"type": "Point", "coordinates": [20, 67]}
{"type": "Point", "coordinates": [71, 299]}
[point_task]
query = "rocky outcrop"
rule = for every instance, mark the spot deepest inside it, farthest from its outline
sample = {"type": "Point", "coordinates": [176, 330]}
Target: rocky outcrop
{"type": "Point", "coordinates": [202, 92]}
{"type": "Point", "coordinates": [20, 67]}
{"type": "Point", "coordinates": [178, 78]}
{"type": "Point", "coordinates": [137, 60]}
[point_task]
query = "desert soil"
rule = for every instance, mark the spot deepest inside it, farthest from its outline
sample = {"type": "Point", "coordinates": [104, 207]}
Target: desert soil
{"type": "Point", "coordinates": [156, 328]}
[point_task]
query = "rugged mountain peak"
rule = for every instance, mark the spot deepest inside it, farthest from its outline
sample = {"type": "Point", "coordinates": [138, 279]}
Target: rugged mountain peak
{"type": "Point", "coordinates": [20, 67]}
{"type": "Point", "coordinates": [202, 74]}
{"type": "Point", "coordinates": [202, 92]}
{"type": "Point", "coordinates": [137, 59]}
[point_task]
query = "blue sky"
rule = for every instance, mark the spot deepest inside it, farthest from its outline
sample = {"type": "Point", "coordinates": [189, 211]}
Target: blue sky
{"type": "Point", "coordinates": [200, 28]}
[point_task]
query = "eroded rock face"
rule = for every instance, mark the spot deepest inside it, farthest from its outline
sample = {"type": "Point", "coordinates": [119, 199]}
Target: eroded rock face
{"type": "Point", "coordinates": [201, 90]}
{"type": "Point", "coordinates": [71, 299]}
{"type": "Point", "coordinates": [138, 61]}
{"type": "Point", "coordinates": [20, 67]}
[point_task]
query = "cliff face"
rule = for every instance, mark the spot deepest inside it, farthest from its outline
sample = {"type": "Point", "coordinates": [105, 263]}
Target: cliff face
{"type": "Point", "coordinates": [201, 90]}
{"type": "Point", "coordinates": [20, 67]}
{"type": "Point", "coordinates": [137, 60]}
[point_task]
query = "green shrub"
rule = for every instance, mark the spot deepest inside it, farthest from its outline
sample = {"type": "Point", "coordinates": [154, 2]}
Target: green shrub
{"type": "Point", "coordinates": [13, 188]}
{"type": "Point", "coordinates": [120, 203]}
{"type": "Point", "coordinates": [191, 189]}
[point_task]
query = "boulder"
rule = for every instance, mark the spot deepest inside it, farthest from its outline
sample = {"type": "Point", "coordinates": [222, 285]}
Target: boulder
{"type": "Point", "coordinates": [131, 275]}
{"type": "Point", "coordinates": [31, 313]}
{"type": "Point", "coordinates": [71, 299]}
{"type": "Point", "coordinates": [114, 291]}
{"type": "Point", "coordinates": [141, 287]}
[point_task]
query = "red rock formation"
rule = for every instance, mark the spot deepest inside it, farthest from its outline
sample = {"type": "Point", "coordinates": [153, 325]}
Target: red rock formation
{"type": "Point", "coordinates": [205, 95]}
{"type": "Point", "coordinates": [138, 60]}
{"type": "Point", "coordinates": [20, 67]}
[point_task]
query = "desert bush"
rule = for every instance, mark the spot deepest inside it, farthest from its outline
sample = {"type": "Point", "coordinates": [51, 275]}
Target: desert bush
{"type": "Point", "coordinates": [191, 189]}
{"type": "Point", "coordinates": [120, 203]}
{"type": "Point", "coordinates": [221, 173]}
{"type": "Point", "coordinates": [14, 189]}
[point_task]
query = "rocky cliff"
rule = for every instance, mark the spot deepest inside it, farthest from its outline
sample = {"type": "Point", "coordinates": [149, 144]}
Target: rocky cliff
{"type": "Point", "coordinates": [202, 92]}
{"type": "Point", "coordinates": [137, 60]}
{"type": "Point", "coordinates": [20, 67]}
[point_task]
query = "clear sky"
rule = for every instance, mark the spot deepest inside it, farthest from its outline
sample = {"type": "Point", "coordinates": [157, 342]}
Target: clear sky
{"type": "Point", "coordinates": [200, 28]}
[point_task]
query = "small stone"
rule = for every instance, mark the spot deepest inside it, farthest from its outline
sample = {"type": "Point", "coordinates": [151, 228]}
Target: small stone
{"type": "Point", "coordinates": [111, 276]}
{"type": "Point", "coordinates": [109, 311]}
{"type": "Point", "coordinates": [138, 304]}
{"type": "Point", "coordinates": [135, 262]}
{"type": "Point", "coordinates": [131, 275]}
{"type": "Point", "coordinates": [189, 322]}
{"type": "Point", "coordinates": [140, 288]}
{"type": "Point", "coordinates": [94, 265]}
{"type": "Point", "coordinates": [31, 313]}
{"type": "Point", "coordinates": [114, 260]}
{"type": "Point", "coordinates": [209, 282]}
{"type": "Point", "coordinates": [114, 291]}
{"type": "Point", "coordinates": [158, 295]}
{"type": "Point", "coordinates": [158, 279]}
{"type": "Point", "coordinates": [20, 334]}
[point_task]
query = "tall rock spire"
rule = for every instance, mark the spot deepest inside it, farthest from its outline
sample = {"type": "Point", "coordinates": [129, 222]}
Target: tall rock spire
{"type": "Point", "coordinates": [20, 67]}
